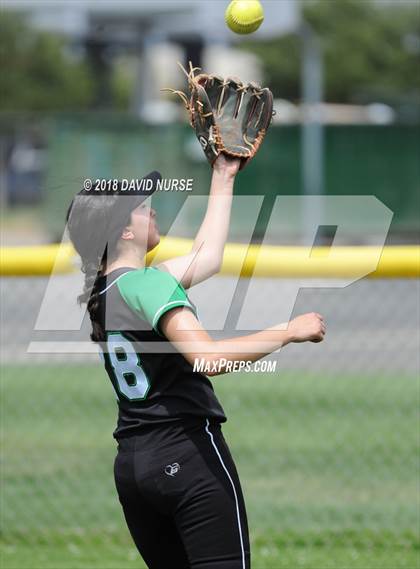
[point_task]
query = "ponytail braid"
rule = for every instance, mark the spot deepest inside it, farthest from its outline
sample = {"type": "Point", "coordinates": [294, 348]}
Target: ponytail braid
{"type": "Point", "coordinates": [90, 227]}
{"type": "Point", "coordinates": [90, 295]}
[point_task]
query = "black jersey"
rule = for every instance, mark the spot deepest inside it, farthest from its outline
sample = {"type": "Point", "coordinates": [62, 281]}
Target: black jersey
{"type": "Point", "coordinates": [151, 387]}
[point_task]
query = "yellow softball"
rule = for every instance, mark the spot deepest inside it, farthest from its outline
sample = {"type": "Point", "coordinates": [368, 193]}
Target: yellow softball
{"type": "Point", "coordinates": [244, 16]}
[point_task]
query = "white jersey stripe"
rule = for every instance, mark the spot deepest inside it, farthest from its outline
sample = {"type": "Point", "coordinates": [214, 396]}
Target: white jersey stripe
{"type": "Point", "coordinates": [163, 308]}
{"type": "Point", "coordinates": [113, 282]}
{"type": "Point", "coordinates": [234, 492]}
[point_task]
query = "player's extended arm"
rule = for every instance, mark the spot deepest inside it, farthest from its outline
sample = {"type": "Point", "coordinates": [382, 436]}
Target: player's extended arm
{"type": "Point", "coordinates": [185, 332]}
{"type": "Point", "coordinates": [206, 254]}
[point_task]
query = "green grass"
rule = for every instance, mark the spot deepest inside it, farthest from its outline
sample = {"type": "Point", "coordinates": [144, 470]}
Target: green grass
{"type": "Point", "coordinates": [329, 468]}
{"type": "Point", "coordinates": [74, 552]}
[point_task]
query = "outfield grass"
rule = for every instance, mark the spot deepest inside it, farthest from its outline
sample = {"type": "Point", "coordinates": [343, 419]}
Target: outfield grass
{"type": "Point", "coordinates": [329, 467]}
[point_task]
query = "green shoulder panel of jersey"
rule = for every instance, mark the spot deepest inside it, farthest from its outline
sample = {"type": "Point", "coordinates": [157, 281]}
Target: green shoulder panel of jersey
{"type": "Point", "coordinates": [150, 293]}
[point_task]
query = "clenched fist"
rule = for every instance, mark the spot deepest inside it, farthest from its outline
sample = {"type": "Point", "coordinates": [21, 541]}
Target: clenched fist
{"type": "Point", "coordinates": [308, 327]}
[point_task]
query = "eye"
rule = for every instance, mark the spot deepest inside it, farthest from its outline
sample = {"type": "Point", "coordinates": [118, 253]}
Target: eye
{"type": "Point", "coordinates": [140, 208]}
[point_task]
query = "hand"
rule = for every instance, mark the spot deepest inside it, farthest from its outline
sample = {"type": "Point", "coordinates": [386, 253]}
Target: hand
{"type": "Point", "coordinates": [226, 165]}
{"type": "Point", "coordinates": [309, 327]}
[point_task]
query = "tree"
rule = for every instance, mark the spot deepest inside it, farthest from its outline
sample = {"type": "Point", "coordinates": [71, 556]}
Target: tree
{"type": "Point", "coordinates": [371, 52]}
{"type": "Point", "coordinates": [36, 73]}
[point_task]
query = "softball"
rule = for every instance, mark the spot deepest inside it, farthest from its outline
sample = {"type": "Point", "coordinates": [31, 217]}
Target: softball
{"type": "Point", "coordinates": [244, 16]}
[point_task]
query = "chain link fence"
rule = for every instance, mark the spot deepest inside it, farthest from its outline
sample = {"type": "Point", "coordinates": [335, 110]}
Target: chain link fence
{"type": "Point", "coordinates": [326, 446]}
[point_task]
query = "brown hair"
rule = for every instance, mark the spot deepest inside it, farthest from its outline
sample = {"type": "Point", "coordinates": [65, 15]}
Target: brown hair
{"type": "Point", "coordinates": [88, 220]}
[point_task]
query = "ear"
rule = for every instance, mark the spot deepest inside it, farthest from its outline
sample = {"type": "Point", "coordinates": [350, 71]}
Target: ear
{"type": "Point", "coordinates": [127, 234]}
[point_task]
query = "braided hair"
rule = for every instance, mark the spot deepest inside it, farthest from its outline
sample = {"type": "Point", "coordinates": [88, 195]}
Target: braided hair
{"type": "Point", "coordinates": [90, 296]}
{"type": "Point", "coordinates": [87, 223]}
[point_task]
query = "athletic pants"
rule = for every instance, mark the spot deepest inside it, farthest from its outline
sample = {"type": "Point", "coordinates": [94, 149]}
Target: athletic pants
{"type": "Point", "coordinates": [181, 497]}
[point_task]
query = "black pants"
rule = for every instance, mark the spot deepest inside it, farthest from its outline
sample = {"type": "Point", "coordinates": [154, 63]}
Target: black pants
{"type": "Point", "coordinates": [182, 498]}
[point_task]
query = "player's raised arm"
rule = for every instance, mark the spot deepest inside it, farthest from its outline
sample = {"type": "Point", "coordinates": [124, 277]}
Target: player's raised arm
{"type": "Point", "coordinates": [230, 120]}
{"type": "Point", "coordinates": [182, 328]}
{"type": "Point", "coordinates": [206, 255]}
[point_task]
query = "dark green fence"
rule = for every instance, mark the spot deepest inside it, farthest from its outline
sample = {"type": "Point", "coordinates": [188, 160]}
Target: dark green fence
{"type": "Point", "coordinates": [370, 160]}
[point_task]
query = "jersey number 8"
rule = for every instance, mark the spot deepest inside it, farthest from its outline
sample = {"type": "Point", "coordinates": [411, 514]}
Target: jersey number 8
{"type": "Point", "coordinates": [130, 380]}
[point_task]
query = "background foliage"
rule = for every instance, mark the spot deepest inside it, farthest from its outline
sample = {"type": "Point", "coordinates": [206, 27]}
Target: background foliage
{"type": "Point", "coordinates": [40, 75]}
{"type": "Point", "coordinates": [371, 51]}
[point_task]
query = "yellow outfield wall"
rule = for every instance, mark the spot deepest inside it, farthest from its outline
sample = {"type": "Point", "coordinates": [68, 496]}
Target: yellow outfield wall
{"type": "Point", "coordinates": [261, 261]}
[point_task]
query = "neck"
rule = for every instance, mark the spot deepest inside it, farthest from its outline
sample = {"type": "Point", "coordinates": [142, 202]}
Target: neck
{"type": "Point", "coordinates": [128, 259]}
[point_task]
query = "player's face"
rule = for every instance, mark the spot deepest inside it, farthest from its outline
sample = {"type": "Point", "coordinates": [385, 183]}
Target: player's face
{"type": "Point", "coordinates": [144, 226]}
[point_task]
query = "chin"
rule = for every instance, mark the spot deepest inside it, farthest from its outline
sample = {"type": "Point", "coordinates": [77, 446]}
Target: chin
{"type": "Point", "coordinates": [153, 243]}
